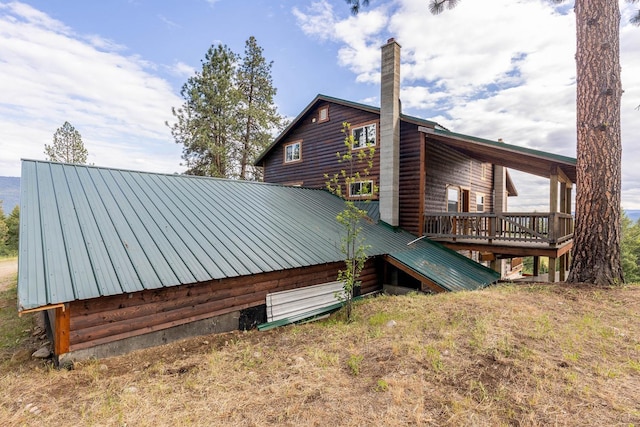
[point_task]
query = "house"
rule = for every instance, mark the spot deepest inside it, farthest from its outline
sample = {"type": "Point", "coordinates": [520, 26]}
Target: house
{"type": "Point", "coordinates": [433, 182]}
{"type": "Point", "coordinates": [119, 260]}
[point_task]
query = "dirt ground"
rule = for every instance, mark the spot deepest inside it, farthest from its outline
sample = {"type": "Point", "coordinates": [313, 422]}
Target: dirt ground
{"type": "Point", "coordinates": [8, 271]}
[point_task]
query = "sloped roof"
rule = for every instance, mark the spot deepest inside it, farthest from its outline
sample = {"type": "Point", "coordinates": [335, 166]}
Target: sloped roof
{"type": "Point", "coordinates": [87, 232]}
{"type": "Point", "coordinates": [324, 98]}
{"type": "Point", "coordinates": [529, 160]}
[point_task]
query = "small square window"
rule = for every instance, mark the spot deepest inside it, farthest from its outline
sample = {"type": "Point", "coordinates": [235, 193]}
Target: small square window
{"type": "Point", "coordinates": [361, 189]}
{"type": "Point", "coordinates": [486, 168]}
{"type": "Point", "coordinates": [479, 202]}
{"type": "Point", "coordinates": [323, 114]}
{"type": "Point", "coordinates": [364, 136]}
{"type": "Point", "coordinates": [293, 152]}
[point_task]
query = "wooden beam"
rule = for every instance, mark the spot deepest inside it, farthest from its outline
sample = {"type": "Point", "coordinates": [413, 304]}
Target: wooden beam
{"type": "Point", "coordinates": [553, 192]}
{"type": "Point", "coordinates": [567, 207]}
{"type": "Point", "coordinates": [61, 331]}
{"type": "Point", "coordinates": [43, 308]}
{"type": "Point", "coordinates": [515, 251]}
{"type": "Point", "coordinates": [552, 270]}
{"type": "Point", "coordinates": [424, 280]}
{"type": "Point", "coordinates": [562, 177]}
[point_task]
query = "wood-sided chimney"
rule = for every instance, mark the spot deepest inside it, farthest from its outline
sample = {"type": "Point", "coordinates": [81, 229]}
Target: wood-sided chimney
{"type": "Point", "coordinates": [390, 133]}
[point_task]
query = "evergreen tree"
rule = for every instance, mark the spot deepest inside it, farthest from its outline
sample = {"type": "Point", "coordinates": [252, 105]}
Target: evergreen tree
{"type": "Point", "coordinates": [207, 122]}
{"type": "Point", "coordinates": [630, 249]}
{"type": "Point", "coordinates": [67, 146]}
{"type": "Point", "coordinates": [3, 232]}
{"type": "Point", "coordinates": [257, 112]}
{"type": "Point", "coordinates": [13, 230]}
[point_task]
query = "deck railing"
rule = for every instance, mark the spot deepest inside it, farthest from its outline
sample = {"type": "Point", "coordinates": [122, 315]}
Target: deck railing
{"type": "Point", "coordinates": [538, 227]}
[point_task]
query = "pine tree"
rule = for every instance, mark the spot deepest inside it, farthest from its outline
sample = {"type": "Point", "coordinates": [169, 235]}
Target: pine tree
{"type": "Point", "coordinates": [67, 146]}
{"type": "Point", "coordinates": [3, 232]}
{"type": "Point", "coordinates": [257, 113]}
{"type": "Point", "coordinates": [13, 230]}
{"type": "Point", "coordinates": [207, 122]}
{"type": "Point", "coordinates": [630, 249]}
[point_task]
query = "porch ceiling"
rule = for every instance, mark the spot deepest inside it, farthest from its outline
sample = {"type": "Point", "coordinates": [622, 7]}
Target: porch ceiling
{"type": "Point", "coordinates": [527, 160]}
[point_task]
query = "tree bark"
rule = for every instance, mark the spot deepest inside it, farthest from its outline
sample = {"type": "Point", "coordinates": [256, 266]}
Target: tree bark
{"type": "Point", "coordinates": [596, 257]}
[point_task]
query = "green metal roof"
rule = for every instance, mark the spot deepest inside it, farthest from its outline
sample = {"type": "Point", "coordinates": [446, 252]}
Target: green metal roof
{"type": "Point", "coordinates": [87, 232]}
{"type": "Point", "coordinates": [446, 268]}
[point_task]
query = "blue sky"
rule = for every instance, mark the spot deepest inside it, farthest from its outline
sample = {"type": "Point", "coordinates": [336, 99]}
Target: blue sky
{"type": "Point", "coordinates": [114, 70]}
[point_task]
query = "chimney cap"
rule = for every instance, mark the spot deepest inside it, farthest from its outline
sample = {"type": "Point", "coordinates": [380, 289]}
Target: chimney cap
{"type": "Point", "coordinates": [391, 40]}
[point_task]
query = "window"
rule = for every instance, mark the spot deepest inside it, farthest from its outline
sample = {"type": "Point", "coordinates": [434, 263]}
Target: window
{"type": "Point", "coordinates": [361, 189]}
{"type": "Point", "coordinates": [453, 199]}
{"type": "Point", "coordinates": [479, 202]}
{"type": "Point", "coordinates": [323, 114]}
{"type": "Point", "coordinates": [292, 152]}
{"type": "Point", "coordinates": [364, 136]}
{"type": "Point", "coordinates": [485, 174]}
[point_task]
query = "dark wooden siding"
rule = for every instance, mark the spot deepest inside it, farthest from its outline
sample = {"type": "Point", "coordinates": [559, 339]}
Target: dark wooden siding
{"type": "Point", "coordinates": [409, 198]}
{"type": "Point", "coordinates": [320, 143]}
{"type": "Point", "coordinates": [108, 319]}
{"type": "Point", "coordinates": [449, 167]}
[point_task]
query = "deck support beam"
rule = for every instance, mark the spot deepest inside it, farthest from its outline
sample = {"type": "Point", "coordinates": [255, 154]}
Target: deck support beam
{"type": "Point", "coordinates": [61, 330]}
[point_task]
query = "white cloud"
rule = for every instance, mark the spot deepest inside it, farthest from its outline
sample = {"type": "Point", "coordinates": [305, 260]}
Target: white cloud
{"type": "Point", "coordinates": [182, 70]}
{"type": "Point", "coordinates": [504, 70]}
{"type": "Point", "coordinates": [49, 74]}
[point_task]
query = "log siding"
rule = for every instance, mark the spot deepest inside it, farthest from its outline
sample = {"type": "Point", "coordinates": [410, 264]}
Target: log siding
{"type": "Point", "coordinates": [446, 167]}
{"type": "Point", "coordinates": [321, 141]}
{"type": "Point", "coordinates": [108, 319]}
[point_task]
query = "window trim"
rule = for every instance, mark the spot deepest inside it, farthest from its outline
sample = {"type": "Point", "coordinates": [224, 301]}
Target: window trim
{"type": "Point", "coordinates": [484, 173]}
{"type": "Point", "coordinates": [446, 197]}
{"type": "Point", "coordinates": [361, 196]}
{"type": "Point", "coordinates": [484, 202]}
{"type": "Point", "coordinates": [320, 110]}
{"type": "Point", "coordinates": [363, 125]}
{"type": "Point", "coordinates": [284, 152]}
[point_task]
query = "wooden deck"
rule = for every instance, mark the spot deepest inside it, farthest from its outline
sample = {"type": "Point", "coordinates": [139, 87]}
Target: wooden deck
{"type": "Point", "coordinates": [533, 230]}
{"type": "Point", "coordinates": [506, 249]}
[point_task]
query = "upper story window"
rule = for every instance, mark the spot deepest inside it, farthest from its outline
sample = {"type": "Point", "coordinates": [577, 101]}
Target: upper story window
{"type": "Point", "coordinates": [453, 199]}
{"type": "Point", "coordinates": [364, 136]}
{"type": "Point", "coordinates": [361, 189]}
{"type": "Point", "coordinates": [486, 171]}
{"type": "Point", "coordinates": [323, 114]}
{"type": "Point", "coordinates": [479, 202]}
{"type": "Point", "coordinates": [293, 152]}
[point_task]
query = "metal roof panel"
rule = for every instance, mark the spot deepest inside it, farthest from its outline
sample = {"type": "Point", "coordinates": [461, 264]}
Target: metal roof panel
{"type": "Point", "coordinates": [88, 232]}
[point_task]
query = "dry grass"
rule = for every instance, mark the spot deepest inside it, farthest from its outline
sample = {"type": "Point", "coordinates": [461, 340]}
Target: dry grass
{"type": "Point", "coordinates": [510, 355]}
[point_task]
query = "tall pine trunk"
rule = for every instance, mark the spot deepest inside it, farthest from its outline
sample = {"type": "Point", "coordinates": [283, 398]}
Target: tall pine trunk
{"type": "Point", "coordinates": [596, 257]}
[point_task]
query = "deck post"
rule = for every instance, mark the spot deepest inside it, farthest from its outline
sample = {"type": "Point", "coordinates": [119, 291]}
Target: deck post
{"type": "Point", "coordinates": [552, 270]}
{"type": "Point", "coordinates": [61, 330]}
{"type": "Point", "coordinates": [536, 266]}
{"type": "Point", "coordinates": [563, 267]}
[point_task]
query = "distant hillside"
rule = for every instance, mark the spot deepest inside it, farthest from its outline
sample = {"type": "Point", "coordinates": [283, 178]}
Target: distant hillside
{"type": "Point", "coordinates": [634, 215]}
{"type": "Point", "coordinates": [9, 193]}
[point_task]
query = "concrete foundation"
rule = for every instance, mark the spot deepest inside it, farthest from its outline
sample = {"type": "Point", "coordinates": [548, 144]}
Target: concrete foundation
{"type": "Point", "coordinates": [224, 323]}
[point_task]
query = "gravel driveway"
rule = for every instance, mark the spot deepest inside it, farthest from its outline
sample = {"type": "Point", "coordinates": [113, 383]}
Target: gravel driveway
{"type": "Point", "coordinates": [8, 271]}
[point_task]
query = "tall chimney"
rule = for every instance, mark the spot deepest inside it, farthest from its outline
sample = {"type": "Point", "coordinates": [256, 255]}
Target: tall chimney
{"type": "Point", "coordinates": [390, 133]}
